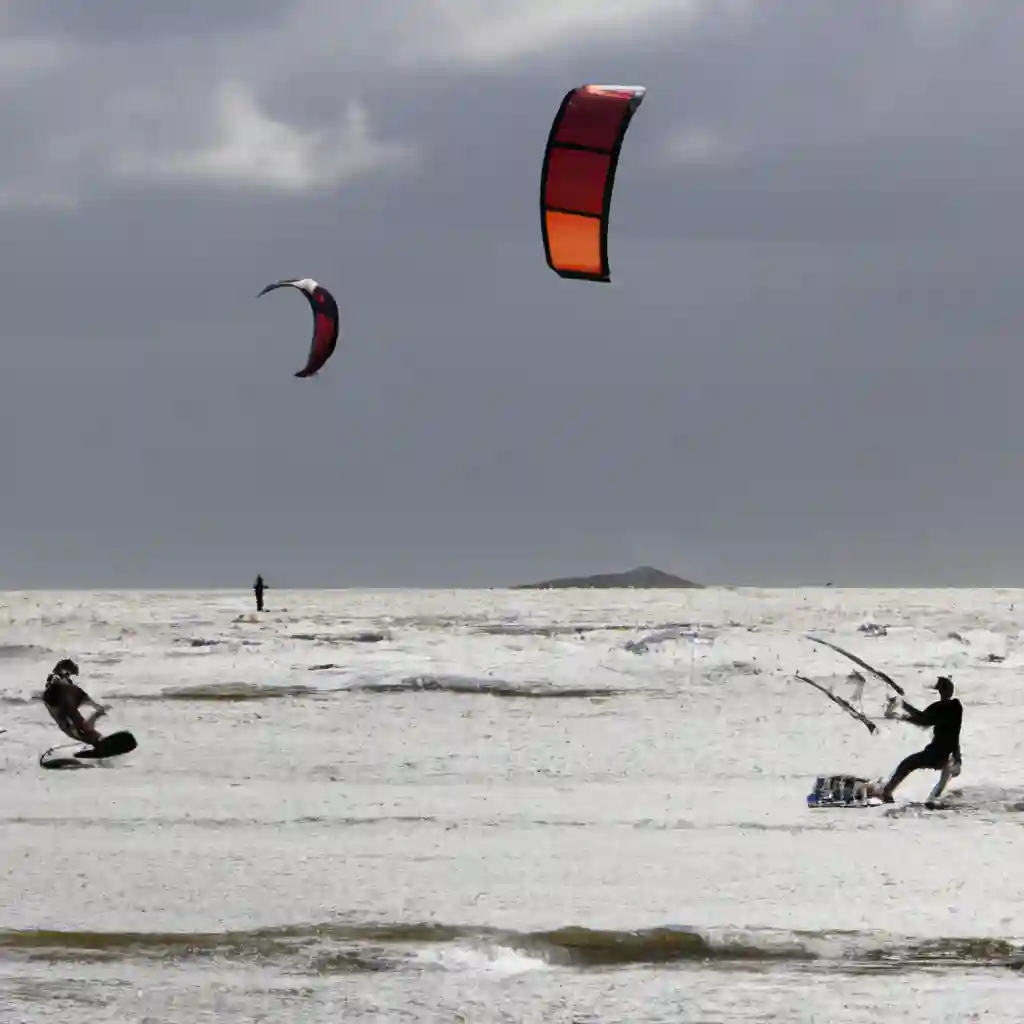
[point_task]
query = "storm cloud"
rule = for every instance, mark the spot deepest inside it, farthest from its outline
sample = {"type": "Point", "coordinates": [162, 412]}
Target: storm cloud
{"type": "Point", "coordinates": [805, 368]}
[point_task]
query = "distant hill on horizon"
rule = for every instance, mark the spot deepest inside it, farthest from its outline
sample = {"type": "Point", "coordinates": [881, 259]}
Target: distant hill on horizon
{"type": "Point", "coordinates": [643, 577]}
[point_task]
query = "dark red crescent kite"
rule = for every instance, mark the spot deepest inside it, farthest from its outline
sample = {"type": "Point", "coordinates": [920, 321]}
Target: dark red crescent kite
{"type": "Point", "coordinates": [325, 321]}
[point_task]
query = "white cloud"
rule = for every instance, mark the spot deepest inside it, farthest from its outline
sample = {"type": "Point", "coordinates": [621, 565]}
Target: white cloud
{"type": "Point", "coordinates": [945, 12]}
{"type": "Point", "coordinates": [374, 40]}
{"type": "Point", "coordinates": [23, 196]}
{"type": "Point", "coordinates": [87, 111]}
{"type": "Point", "coordinates": [494, 31]}
{"type": "Point", "coordinates": [82, 112]}
{"type": "Point", "coordinates": [22, 60]}
{"type": "Point", "coordinates": [250, 148]}
{"type": "Point", "coordinates": [700, 146]}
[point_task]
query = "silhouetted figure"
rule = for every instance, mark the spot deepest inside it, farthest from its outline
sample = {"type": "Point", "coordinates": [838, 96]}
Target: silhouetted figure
{"type": "Point", "coordinates": [944, 717]}
{"type": "Point", "coordinates": [64, 699]}
{"type": "Point", "coordinates": [257, 588]}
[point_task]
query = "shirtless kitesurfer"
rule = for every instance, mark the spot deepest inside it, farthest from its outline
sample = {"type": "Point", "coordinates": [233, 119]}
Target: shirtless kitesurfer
{"type": "Point", "coordinates": [64, 699]}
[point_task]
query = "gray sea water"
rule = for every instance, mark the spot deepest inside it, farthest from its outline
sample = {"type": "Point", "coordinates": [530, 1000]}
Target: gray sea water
{"type": "Point", "coordinates": [484, 806]}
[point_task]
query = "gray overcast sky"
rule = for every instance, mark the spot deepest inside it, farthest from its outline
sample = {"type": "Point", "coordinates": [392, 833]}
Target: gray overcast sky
{"type": "Point", "coordinates": [807, 367]}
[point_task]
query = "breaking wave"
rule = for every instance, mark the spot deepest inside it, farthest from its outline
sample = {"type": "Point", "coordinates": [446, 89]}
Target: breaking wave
{"type": "Point", "coordinates": [11, 652]}
{"type": "Point", "coordinates": [340, 948]}
{"type": "Point", "coordinates": [487, 687]}
{"type": "Point", "coordinates": [242, 691]}
{"type": "Point", "coordinates": [237, 691]}
{"type": "Point", "coordinates": [368, 636]}
{"type": "Point", "coordinates": [510, 629]}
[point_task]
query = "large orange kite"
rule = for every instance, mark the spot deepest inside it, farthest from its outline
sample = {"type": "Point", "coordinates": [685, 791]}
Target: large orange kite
{"type": "Point", "coordinates": [579, 174]}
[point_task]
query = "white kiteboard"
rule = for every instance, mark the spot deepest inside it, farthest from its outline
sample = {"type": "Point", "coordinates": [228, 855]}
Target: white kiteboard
{"type": "Point", "coordinates": [844, 790]}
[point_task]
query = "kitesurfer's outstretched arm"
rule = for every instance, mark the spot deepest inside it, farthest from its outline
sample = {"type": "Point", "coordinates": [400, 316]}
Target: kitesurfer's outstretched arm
{"type": "Point", "coordinates": [98, 710]}
{"type": "Point", "coordinates": [916, 717]}
{"type": "Point", "coordinates": [928, 719]}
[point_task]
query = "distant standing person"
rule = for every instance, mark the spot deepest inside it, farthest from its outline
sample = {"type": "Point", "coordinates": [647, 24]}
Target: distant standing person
{"type": "Point", "coordinates": [258, 587]}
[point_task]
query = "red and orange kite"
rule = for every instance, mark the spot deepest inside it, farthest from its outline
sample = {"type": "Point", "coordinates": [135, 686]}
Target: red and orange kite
{"type": "Point", "coordinates": [579, 174]}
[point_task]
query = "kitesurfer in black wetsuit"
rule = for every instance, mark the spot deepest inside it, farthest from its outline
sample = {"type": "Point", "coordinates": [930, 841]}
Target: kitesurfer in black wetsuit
{"type": "Point", "coordinates": [944, 716]}
{"type": "Point", "coordinates": [64, 699]}
{"type": "Point", "coordinates": [257, 588]}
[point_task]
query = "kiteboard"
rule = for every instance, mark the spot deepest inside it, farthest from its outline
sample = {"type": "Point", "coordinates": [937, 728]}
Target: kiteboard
{"type": "Point", "coordinates": [844, 791]}
{"type": "Point", "coordinates": [114, 745]}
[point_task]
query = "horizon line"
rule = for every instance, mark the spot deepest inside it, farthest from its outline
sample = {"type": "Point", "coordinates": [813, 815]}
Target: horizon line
{"type": "Point", "coordinates": [517, 587]}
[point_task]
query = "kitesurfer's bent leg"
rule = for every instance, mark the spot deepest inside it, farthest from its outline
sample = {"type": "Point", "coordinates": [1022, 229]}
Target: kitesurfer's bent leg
{"type": "Point", "coordinates": [80, 730]}
{"type": "Point", "coordinates": [915, 762]}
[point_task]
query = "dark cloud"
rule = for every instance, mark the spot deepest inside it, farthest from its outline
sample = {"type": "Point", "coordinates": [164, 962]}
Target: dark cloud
{"type": "Point", "coordinates": [805, 368]}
